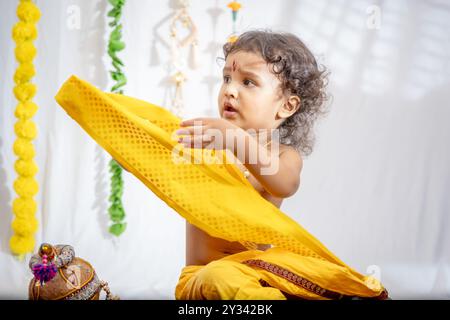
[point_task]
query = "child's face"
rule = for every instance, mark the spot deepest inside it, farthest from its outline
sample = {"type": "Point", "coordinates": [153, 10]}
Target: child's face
{"type": "Point", "coordinates": [252, 90]}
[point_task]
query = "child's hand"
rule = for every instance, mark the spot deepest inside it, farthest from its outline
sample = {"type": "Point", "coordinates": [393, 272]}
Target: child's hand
{"type": "Point", "coordinates": [208, 133]}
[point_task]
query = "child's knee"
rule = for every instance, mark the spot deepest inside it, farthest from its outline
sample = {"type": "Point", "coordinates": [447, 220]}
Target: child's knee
{"type": "Point", "coordinates": [231, 280]}
{"type": "Point", "coordinates": [215, 272]}
{"type": "Point", "coordinates": [223, 279]}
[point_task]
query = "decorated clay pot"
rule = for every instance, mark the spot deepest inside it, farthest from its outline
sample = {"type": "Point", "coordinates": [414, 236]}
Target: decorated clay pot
{"type": "Point", "coordinates": [59, 275]}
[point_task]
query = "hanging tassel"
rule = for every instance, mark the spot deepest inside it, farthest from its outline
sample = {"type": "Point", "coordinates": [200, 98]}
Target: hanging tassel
{"type": "Point", "coordinates": [177, 103]}
{"type": "Point", "coordinates": [194, 62]}
{"type": "Point", "coordinates": [154, 58]}
{"type": "Point", "coordinates": [44, 272]}
{"type": "Point", "coordinates": [174, 54]}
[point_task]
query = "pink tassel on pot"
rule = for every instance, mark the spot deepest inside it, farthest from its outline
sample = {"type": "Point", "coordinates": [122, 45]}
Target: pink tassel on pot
{"type": "Point", "coordinates": [44, 272]}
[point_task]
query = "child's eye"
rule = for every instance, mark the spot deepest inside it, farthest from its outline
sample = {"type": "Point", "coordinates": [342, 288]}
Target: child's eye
{"type": "Point", "coordinates": [225, 78]}
{"type": "Point", "coordinates": [247, 81]}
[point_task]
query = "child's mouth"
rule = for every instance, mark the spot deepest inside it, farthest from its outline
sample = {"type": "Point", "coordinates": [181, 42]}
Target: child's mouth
{"type": "Point", "coordinates": [229, 111]}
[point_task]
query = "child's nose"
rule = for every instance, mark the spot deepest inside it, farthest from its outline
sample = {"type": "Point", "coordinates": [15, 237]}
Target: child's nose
{"type": "Point", "coordinates": [231, 91]}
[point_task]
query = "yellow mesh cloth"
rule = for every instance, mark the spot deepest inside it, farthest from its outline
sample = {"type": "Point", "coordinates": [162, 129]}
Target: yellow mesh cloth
{"type": "Point", "coordinates": [215, 197]}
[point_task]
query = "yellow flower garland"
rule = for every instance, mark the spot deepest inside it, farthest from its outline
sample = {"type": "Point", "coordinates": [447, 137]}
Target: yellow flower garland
{"type": "Point", "coordinates": [26, 187]}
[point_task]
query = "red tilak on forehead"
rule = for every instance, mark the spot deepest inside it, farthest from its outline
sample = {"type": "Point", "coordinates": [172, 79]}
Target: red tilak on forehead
{"type": "Point", "coordinates": [234, 65]}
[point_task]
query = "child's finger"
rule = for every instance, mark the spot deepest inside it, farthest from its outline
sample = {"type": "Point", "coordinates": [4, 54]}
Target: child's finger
{"type": "Point", "coordinates": [195, 142]}
{"type": "Point", "coordinates": [192, 130]}
{"type": "Point", "coordinates": [184, 131]}
{"type": "Point", "coordinates": [191, 122]}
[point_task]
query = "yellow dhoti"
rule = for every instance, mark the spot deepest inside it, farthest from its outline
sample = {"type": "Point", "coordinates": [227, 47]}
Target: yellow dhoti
{"type": "Point", "coordinates": [224, 280]}
{"type": "Point", "coordinates": [217, 198]}
{"type": "Point", "coordinates": [274, 274]}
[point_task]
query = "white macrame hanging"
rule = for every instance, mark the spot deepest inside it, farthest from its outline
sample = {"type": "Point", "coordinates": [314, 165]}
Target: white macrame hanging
{"type": "Point", "coordinates": [177, 59]}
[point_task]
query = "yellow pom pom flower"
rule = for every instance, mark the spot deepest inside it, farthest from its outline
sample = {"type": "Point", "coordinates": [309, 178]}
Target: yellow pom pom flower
{"type": "Point", "coordinates": [25, 51]}
{"type": "Point", "coordinates": [21, 245]}
{"type": "Point", "coordinates": [25, 110]}
{"type": "Point", "coordinates": [26, 168]}
{"type": "Point", "coordinates": [28, 12]}
{"type": "Point", "coordinates": [25, 91]}
{"type": "Point", "coordinates": [26, 187]}
{"type": "Point", "coordinates": [24, 207]}
{"type": "Point", "coordinates": [24, 227]}
{"type": "Point", "coordinates": [232, 39]}
{"type": "Point", "coordinates": [24, 31]}
{"type": "Point", "coordinates": [234, 5]}
{"type": "Point", "coordinates": [24, 73]}
{"type": "Point", "coordinates": [25, 129]}
{"type": "Point", "coordinates": [24, 149]}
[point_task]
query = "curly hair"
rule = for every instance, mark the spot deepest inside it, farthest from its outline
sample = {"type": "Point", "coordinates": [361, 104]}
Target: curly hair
{"type": "Point", "coordinates": [296, 68]}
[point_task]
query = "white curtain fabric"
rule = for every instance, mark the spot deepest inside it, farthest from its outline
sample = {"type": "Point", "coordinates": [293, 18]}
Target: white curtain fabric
{"type": "Point", "coordinates": [375, 189]}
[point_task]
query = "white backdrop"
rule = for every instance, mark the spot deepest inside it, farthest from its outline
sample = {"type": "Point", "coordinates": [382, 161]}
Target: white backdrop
{"type": "Point", "coordinates": [375, 190]}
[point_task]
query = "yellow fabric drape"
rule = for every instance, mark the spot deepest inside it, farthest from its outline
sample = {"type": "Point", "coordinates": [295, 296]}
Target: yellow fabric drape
{"type": "Point", "coordinates": [215, 197]}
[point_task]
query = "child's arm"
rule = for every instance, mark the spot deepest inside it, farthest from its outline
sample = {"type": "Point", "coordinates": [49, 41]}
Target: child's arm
{"type": "Point", "coordinates": [278, 172]}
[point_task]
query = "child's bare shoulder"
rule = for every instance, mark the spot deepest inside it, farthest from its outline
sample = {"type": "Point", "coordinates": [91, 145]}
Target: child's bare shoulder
{"type": "Point", "coordinates": [291, 156]}
{"type": "Point", "coordinates": [289, 151]}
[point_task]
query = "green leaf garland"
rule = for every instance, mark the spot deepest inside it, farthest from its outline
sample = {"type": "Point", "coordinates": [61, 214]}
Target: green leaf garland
{"type": "Point", "coordinates": [115, 44]}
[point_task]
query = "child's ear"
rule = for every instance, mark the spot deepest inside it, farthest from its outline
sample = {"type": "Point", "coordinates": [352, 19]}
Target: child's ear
{"type": "Point", "coordinates": [291, 105]}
